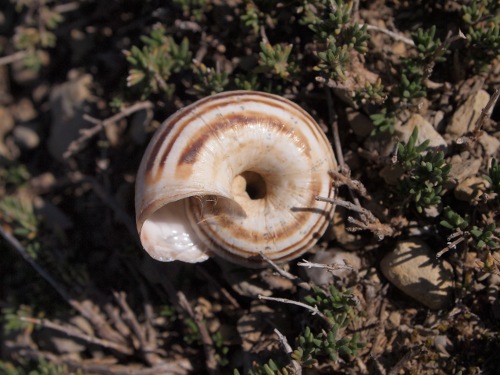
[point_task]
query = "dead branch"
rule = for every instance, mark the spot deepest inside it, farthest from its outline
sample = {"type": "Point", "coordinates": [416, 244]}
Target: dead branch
{"type": "Point", "coordinates": [145, 347]}
{"type": "Point", "coordinates": [328, 267]}
{"type": "Point", "coordinates": [87, 134]}
{"type": "Point", "coordinates": [314, 310]}
{"type": "Point", "coordinates": [396, 36]}
{"type": "Point", "coordinates": [368, 220]}
{"type": "Point", "coordinates": [288, 350]}
{"type": "Point", "coordinates": [287, 275]}
{"type": "Point", "coordinates": [343, 179]}
{"type": "Point", "coordinates": [206, 339]}
{"type": "Point", "coordinates": [17, 56]}
{"type": "Point", "coordinates": [76, 333]}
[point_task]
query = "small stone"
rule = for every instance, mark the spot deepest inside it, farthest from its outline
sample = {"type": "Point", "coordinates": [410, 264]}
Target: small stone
{"type": "Point", "coordinates": [6, 125]}
{"type": "Point", "coordinates": [24, 111]}
{"type": "Point", "coordinates": [26, 137]}
{"type": "Point", "coordinates": [425, 131]}
{"type": "Point", "coordinates": [361, 125]}
{"type": "Point", "coordinates": [348, 263]}
{"type": "Point", "coordinates": [490, 144]}
{"type": "Point", "coordinates": [466, 115]}
{"type": "Point", "coordinates": [413, 268]}
{"type": "Point", "coordinates": [391, 173]}
{"type": "Point", "coordinates": [471, 189]}
{"type": "Point", "coordinates": [462, 169]}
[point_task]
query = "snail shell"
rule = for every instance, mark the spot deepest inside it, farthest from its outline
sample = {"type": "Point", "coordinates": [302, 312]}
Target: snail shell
{"type": "Point", "coordinates": [235, 174]}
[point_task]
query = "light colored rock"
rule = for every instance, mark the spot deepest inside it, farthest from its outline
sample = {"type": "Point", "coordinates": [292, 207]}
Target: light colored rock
{"type": "Point", "coordinates": [460, 169]}
{"type": "Point", "coordinates": [466, 115]}
{"type": "Point", "coordinates": [346, 261]}
{"type": "Point", "coordinates": [6, 125]}
{"type": "Point", "coordinates": [26, 136]}
{"type": "Point", "coordinates": [471, 188]}
{"type": "Point", "coordinates": [490, 144]}
{"type": "Point", "coordinates": [413, 268]}
{"type": "Point", "coordinates": [391, 173]}
{"type": "Point", "coordinates": [425, 131]}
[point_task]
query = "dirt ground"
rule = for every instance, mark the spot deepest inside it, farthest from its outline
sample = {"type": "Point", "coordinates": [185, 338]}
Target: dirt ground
{"type": "Point", "coordinates": [79, 295]}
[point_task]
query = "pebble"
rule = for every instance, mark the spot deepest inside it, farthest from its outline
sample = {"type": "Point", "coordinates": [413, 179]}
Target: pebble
{"type": "Point", "coordinates": [361, 125]}
{"type": "Point", "coordinates": [490, 144]}
{"type": "Point", "coordinates": [425, 131]}
{"type": "Point", "coordinates": [413, 268]}
{"type": "Point", "coordinates": [347, 261]}
{"type": "Point", "coordinates": [6, 125]}
{"type": "Point", "coordinates": [462, 169]}
{"type": "Point", "coordinates": [26, 136]}
{"type": "Point", "coordinates": [466, 115]}
{"type": "Point", "coordinates": [471, 189]}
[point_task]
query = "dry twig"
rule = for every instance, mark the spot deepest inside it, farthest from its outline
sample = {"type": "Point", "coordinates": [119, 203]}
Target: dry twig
{"type": "Point", "coordinates": [86, 134]}
{"type": "Point", "coordinates": [287, 275]}
{"type": "Point", "coordinates": [288, 349]}
{"type": "Point", "coordinates": [208, 344]}
{"type": "Point", "coordinates": [314, 310]}
{"type": "Point", "coordinates": [76, 333]}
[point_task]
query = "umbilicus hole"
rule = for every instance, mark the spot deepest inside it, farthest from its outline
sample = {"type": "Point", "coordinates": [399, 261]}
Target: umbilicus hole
{"type": "Point", "coordinates": [253, 184]}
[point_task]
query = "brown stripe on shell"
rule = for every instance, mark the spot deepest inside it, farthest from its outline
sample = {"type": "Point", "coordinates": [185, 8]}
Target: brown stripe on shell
{"type": "Point", "coordinates": [222, 100]}
{"type": "Point", "coordinates": [258, 237]}
{"type": "Point", "coordinates": [190, 153]}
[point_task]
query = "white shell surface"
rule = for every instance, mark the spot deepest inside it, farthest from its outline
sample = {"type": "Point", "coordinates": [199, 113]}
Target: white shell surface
{"type": "Point", "coordinates": [235, 174]}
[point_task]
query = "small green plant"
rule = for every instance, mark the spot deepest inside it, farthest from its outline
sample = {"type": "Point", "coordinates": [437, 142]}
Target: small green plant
{"type": "Point", "coordinates": [43, 367]}
{"type": "Point", "coordinates": [269, 368]}
{"type": "Point", "coordinates": [373, 93]}
{"type": "Point", "coordinates": [383, 121]}
{"type": "Point", "coordinates": [36, 32]}
{"type": "Point", "coordinates": [221, 349]}
{"type": "Point", "coordinates": [275, 59]}
{"type": "Point", "coordinates": [210, 81]}
{"type": "Point", "coordinates": [337, 307]}
{"type": "Point", "coordinates": [493, 177]}
{"type": "Point", "coordinates": [335, 34]}
{"type": "Point", "coordinates": [20, 215]}
{"type": "Point", "coordinates": [479, 237]}
{"type": "Point", "coordinates": [160, 57]}
{"type": "Point", "coordinates": [482, 31]}
{"type": "Point", "coordinates": [424, 173]}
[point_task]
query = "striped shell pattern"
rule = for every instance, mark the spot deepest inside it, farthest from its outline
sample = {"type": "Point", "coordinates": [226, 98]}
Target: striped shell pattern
{"type": "Point", "coordinates": [236, 175]}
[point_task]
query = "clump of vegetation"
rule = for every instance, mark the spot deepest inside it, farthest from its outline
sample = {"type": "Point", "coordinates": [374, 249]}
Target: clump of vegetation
{"type": "Point", "coordinates": [424, 173]}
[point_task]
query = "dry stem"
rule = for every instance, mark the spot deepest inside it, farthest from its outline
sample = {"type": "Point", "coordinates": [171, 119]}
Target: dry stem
{"type": "Point", "coordinates": [208, 344]}
{"type": "Point", "coordinates": [314, 310]}
{"type": "Point", "coordinates": [86, 134]}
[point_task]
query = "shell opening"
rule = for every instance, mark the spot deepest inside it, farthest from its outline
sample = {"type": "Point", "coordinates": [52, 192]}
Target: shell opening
{"type": "Point", "coordinates": [250, 183]}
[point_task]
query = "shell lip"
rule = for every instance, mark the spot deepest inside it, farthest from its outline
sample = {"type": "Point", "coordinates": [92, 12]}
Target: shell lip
{"type": "Point", "coordinates": [145, 210]}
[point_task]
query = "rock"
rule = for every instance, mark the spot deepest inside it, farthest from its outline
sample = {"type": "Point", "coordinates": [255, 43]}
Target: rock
{"type": "Point", "coordinates": [361, 125]}
{"type": "Point", "coordinates": [391, 173]}
{"type": "Point", "coordinates": [471, 188]}
{"type": "Point", "coordinates": [413, 268]}
{"type": "Point", "coordinates": [24, 110]}
{"type": "Point", "coordinates": [490, 144]}
{"type": "Point", "coordinates": [466, 115]}
{"type": "Point", "coordinates": [26, 136]}
{"type": "Point", "coordinates": [6, 125]}
{"type": "Point", "coordinates": [425, 131]}
{"type": "Point", "coordinates": [348, 263]}
{"type": "Point", "coordinates": [68, 106]}
{"type": "Point", "coordinates": [462, 169]}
